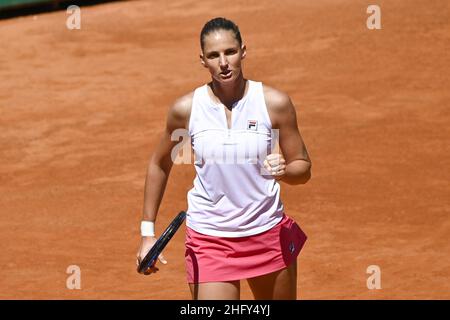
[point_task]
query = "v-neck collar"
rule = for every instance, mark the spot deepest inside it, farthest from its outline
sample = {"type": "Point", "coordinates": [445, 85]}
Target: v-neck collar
{"type": "Point", "coordinates": [235, 104]}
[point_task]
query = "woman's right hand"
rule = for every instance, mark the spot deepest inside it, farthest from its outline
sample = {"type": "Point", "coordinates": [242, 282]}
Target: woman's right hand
{"type": "Point", "coordinates": [146, 244]}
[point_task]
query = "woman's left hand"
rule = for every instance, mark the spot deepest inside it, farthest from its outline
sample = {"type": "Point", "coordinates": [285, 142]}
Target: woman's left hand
{"type": "Point", "coordinates": [276, 165]}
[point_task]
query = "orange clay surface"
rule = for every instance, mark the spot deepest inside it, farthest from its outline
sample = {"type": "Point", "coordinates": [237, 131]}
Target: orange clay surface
{"type": "Point", "coordinates": [81, 111]}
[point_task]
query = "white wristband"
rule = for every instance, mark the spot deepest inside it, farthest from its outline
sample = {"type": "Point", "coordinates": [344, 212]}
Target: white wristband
{"type": "Point", "coordinates": [147, 229]}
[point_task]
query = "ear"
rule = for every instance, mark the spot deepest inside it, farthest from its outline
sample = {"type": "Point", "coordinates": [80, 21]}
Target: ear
{"type": "Point", "coordinates": [202, 60]}
{"type": "Point", "coordinates": [244, 51]}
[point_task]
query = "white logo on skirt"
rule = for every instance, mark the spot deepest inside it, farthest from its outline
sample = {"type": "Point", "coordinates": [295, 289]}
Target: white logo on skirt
{"type": "Point", "coordinates": [291, 247]}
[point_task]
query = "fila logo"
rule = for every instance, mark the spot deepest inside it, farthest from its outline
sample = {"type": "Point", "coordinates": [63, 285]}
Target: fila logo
{"type": "Point", "coordinates": [252, 125]}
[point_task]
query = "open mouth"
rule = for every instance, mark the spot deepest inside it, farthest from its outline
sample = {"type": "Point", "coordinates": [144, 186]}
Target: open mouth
{"type": "Point", "coordinates": [226, 74]}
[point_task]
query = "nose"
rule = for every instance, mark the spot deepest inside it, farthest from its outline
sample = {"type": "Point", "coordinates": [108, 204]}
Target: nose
{"type": "Point", "coordinates": [223, 63]}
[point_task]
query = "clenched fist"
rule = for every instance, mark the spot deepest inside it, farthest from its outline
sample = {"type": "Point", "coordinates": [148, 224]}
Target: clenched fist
{"type": "Point", "coordinates": [276, 165]}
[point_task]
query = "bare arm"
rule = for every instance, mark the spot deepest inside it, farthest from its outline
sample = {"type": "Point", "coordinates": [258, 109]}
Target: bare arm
{"type": "Point", "coordinates": [297, 169]}
{"type": "Point", "coordinates": [158, 171]}
{"type": "Point", "coordinates": [160, 164]}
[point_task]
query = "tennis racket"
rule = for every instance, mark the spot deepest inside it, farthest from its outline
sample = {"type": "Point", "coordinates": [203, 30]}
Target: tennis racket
{"type": "Point", "coordinates": [160, 244]}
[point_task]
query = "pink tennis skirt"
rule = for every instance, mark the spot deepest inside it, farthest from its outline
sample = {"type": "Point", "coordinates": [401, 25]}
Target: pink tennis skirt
{"type": "Point", "coordinates": [218, 259]}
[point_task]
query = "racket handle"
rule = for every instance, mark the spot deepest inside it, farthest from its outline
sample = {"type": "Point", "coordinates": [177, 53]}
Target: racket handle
{"type": "Point", "coordinates": [152, 256]}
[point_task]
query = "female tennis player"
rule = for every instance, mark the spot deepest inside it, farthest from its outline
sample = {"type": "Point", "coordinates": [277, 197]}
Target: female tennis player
{"type": "Point", "coordinates": [236, 227]}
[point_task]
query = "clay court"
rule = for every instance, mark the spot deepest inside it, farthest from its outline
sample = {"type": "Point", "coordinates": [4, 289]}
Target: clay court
{"type": "Point", "coordinates": [81, 111]}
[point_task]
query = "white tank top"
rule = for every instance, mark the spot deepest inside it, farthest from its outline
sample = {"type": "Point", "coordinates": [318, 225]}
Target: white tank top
{"type": "Point", "coordinates": [231, 197]}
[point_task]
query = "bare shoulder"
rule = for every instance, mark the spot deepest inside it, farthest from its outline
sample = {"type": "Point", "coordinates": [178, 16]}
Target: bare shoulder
{"type": "Point", "coordinates": [279, 104]}
{"type": "Point", "coordinates": [276, 99]}
{"type": "Point", "coordinates": [180, 111]}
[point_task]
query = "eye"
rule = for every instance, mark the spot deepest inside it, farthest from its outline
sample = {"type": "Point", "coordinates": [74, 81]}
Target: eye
{"type": "Point", "coordinates": [213, 55]}
{"type": "Point", "coordinates": [230, 52]}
